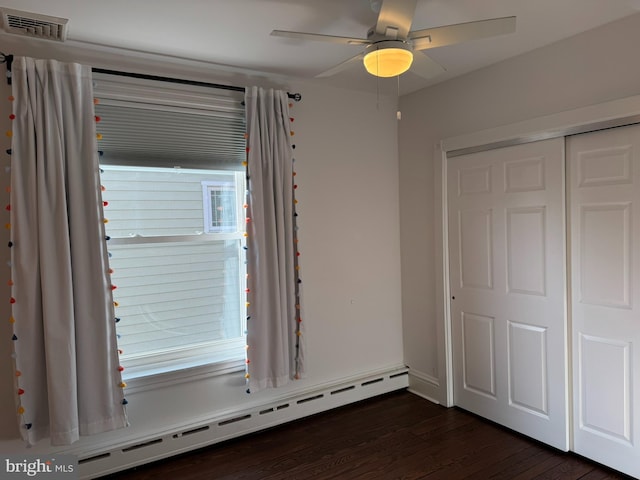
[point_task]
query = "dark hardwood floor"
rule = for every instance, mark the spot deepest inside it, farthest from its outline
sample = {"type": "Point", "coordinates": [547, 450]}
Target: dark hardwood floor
{"type": "Point", "coordinates": [395, 436]}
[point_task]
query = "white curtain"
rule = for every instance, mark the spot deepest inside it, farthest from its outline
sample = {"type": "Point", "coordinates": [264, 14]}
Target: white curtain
{"type": "Point", "coordinates": [67, 377]}
{"type": "Point", "coordinates": [274, 343]}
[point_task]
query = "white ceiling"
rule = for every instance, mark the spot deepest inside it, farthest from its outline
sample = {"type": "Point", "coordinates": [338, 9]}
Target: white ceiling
{"type": "Point", "coordinates": [236, 33]}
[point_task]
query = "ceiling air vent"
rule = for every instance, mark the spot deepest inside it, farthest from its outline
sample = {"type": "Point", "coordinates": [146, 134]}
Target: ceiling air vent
{"type": "Point", "coordinates": [34, 25]}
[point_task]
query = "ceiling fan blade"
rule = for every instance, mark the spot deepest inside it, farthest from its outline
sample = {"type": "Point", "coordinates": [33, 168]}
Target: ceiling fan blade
{"type": "Point", "coordinates": [320, 37]}
{"type": "Point", "coordinates": [425, 66]}
{"type": "Point", "coordinates": [395, 18]}
{"type": "Point", "coordinates": [342, 66]}
{"type": "Point", "coordinates": [461, 32]}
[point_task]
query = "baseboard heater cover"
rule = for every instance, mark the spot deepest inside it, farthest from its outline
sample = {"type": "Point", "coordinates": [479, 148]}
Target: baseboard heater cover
{"type": "Point", "coordinates": [241, 423]}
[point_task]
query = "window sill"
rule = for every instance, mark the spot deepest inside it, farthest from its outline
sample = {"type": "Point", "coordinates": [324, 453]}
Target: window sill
{"type": "Point", "coordinates": [149, 381]}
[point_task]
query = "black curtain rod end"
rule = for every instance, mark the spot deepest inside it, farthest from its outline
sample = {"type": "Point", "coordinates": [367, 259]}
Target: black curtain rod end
{"type": "Point", "coordinates": [8, 59]}
{"type": "Point", "coordinates": [293, 96]}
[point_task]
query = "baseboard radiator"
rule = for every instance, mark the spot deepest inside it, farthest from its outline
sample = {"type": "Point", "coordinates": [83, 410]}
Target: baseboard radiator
{"type": "Point", "coordinates": [240, 423]}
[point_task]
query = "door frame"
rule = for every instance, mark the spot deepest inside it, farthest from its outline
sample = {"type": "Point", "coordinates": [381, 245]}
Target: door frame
{"type": "Point", "coordinates": [615, 113]}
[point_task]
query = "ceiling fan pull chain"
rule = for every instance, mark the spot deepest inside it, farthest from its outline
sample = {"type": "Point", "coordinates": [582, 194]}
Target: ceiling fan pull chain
{"type": "Point", "coordinates": [377, 89]}
{"type": "Point", "coordinates": [398, 113]}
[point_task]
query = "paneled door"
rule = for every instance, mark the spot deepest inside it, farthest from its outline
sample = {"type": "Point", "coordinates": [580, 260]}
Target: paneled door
{"type": "Point", "coordinates": [506, 215]}
{"type": "Point", "coordinates": [604, 183]}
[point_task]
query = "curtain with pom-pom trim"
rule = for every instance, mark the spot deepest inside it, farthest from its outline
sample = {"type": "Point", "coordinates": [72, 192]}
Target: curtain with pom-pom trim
{"type": "Point", "coordinates": [66, 361]}
{"type": "Point", "coordinates": [274, 347]}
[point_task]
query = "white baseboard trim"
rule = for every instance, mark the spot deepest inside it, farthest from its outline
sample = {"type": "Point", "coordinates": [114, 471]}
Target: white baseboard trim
{"type": "Point", "coordinates": [425, 386]}
{"type": "Point", "coordinates": [241, 422]}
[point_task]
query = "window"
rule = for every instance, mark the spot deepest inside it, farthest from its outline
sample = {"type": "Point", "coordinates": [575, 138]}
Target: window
{"type": "Point", "coordinates": [176, 230]}
{"type": "Point", "coordinates": [220, 206]}
{"type": "Point", "coordinates": [180, 289]}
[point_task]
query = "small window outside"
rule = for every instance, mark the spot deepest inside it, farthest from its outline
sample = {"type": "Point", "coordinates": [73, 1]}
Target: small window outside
{"type": "Point", "coordinates": [220, 200]}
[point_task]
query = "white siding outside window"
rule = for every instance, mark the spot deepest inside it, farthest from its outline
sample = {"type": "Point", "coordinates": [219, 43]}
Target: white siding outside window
{"type": "Point", "coordinates": [176, 238]}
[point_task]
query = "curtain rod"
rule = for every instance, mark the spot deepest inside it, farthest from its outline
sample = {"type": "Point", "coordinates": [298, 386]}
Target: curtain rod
{"type": "Point", "coordinates": [8, 59]}
{"type": "Point", "coordinates": [295, 96]}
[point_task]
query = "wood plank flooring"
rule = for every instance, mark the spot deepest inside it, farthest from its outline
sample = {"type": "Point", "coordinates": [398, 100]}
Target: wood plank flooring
{"type": "Point", "coordinates": [395, 436]}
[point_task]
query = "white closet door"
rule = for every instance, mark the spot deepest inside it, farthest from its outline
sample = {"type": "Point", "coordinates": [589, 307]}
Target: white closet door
{"type": "Point", "coordinates": [507, 263]}
{"type": "Point", "coordinates": [604, 175]}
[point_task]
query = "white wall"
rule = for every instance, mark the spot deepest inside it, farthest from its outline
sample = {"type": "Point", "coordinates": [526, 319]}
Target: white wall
{"type": "Point", "coordinates": [587, 69]}
{"type": "Point", "coordinates": [349, 240]}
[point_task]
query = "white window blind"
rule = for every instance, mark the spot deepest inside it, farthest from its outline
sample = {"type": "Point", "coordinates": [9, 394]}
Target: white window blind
{"type": "Point", "coordinates": [180, 280]}
{"type": "Point", "coordinates": [149, 123]}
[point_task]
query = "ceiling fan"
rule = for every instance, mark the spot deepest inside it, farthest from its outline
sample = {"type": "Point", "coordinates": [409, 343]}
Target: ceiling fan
{"type": "Point", "coordinates": [390, 44]}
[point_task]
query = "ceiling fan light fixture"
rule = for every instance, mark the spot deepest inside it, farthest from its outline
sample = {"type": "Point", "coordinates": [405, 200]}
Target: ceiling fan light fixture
{"type": "Point", "coordinates": [388, 58]}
